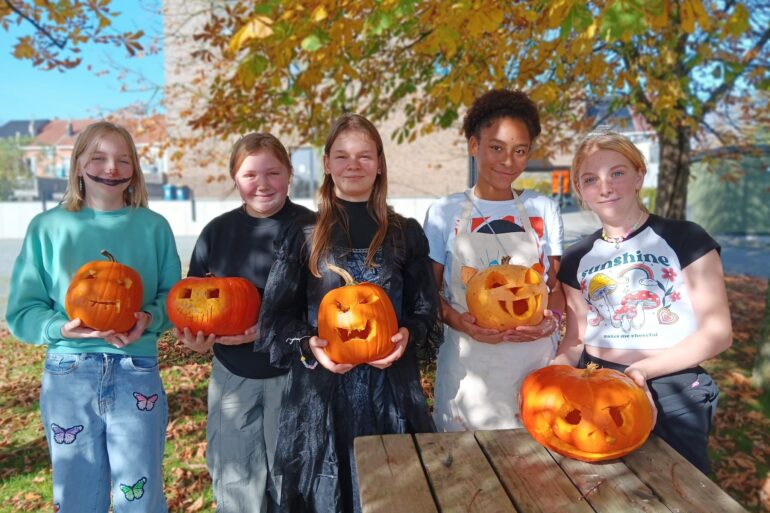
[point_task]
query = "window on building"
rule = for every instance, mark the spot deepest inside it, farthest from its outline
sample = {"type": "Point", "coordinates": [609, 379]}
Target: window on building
{"type": "Point", "coordinates": [307, 176]}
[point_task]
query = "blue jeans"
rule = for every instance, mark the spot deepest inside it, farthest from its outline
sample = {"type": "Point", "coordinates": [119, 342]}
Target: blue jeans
{"type": "Point", "coordinates": [242, 432]}
{"type": "Point", "coordinates": [105, 418]}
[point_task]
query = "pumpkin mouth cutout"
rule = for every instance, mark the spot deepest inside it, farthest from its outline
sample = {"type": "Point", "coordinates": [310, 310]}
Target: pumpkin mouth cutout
{"type": "Point", "coordinates": [116, 303]}
{"type": "Point", "coordinates": [518, 306]}
{"type": "Point", "coordinates": [348, 335]}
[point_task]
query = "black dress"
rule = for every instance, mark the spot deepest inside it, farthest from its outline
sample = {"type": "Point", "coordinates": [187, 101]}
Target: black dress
{"type": "Point", "coordinates": [323, 411]}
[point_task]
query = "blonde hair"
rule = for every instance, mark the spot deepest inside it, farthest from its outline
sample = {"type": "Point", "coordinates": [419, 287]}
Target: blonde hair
{"type": "Point", "coordinates": [330, 212]}
{"type": "Point", "coordinates": [86, 144]}
{"type": "Point", "coordinates": [255, 142]}
{"type": "Point", "coordinates": [606, 140]}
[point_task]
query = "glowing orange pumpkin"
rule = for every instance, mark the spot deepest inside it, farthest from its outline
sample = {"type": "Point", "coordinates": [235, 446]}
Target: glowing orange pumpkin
{"type": "Point", "coordinates": [505, 296]}
{"type": "Point", "coordinates": [357, 320]}
{"type": "Point", "coordinates": [105, 295]}
{"type": "Point", "coordinates": [223, 306]}
{"type": "Point", "coordinates": [587, 414]}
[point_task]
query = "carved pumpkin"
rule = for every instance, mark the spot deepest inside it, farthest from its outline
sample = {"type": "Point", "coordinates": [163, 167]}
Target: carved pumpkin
{"type": "Point", "coordinates": [505, 296]}
{"type": "Point", "coordinates": [223, 306]}
{"type": "Point", "coordinates": [357, 320]}
{"type": "Point", "coordinates": [587, 414]}
{"type": "Point", "coordinates": [105, 295]}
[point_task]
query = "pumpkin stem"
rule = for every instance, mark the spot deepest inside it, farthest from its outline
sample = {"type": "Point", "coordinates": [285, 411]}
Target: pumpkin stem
{"type": "Point", "coordinates": [107, 254]}
{"type": "Point", "coordinates": [343, 273]}
{"type": "Point", "coordinates": [590, 369]}
{"type": "Point", "coordinates": [505, 260]}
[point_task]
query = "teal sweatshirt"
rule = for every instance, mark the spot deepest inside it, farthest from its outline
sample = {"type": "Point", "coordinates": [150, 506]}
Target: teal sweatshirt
{"type": "Point", "coordinates": [58, 242]}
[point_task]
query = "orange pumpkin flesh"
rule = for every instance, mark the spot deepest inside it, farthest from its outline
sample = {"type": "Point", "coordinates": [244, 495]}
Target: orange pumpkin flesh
{"type": "Point", "coordinates": [506, 296]}
{"type": "Point", "coordinates": [222, 306]}
{"type": "Point", "coordinates": [357, 320]}
{"type": "Point", "coordinates": [587, 414]}
{"type": "Point", "coordinates": [105, 295]}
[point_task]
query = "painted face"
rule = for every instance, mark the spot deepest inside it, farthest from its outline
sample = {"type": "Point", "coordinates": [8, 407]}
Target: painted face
{"type": "Point", "coordinates": [106, 172]}
{"type": "Point", "coordinates": [501, 153]}
{"type": "Point", "coordinates": [353, 164]}
{"type": "Point", "coordinates": [608, 183]}
{"type": "Point", "coordinates": [263, 183]}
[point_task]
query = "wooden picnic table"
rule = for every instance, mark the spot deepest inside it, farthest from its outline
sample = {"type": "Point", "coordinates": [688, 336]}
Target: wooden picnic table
{"type": "Point", "coordinates": [508, 471]}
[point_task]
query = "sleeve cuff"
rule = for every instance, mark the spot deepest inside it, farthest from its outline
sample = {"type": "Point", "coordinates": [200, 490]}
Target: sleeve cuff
{"type": "Point", "coordinates": [53, 330]}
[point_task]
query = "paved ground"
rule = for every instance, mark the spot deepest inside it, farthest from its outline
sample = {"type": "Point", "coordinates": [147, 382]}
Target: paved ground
{"type": "Point", "coordinates": [748, 255]}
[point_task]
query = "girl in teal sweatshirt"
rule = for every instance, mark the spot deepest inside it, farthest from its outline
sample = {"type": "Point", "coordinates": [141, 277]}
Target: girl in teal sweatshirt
{"type": "Point", "coordinates": [102, 402]}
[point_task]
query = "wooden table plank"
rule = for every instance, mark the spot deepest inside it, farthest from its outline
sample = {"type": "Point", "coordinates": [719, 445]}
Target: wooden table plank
{"type": "Point", "coordinates": [679, 485]}
{"type": "Point", "coordinates": [610, 487]}
{"type": "Point", "coordinates": [531, 476]}
{"type": "Point", "coordinates": [460, 475]}
{"type": "Point", "coordinates": [390, 476]}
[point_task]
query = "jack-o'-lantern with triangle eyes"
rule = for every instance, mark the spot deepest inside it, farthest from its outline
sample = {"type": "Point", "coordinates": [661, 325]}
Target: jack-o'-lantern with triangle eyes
{"type": "Point", "coordinates": [105, 295]}
{"type": "Point", "coordinates": [357, 320]}
{"type": "Point", "coordinates": [220, 305]}
{"type": "Point", "coordinates": [505, 296]}
{"type": "Point", "coordinates": [587, 414]}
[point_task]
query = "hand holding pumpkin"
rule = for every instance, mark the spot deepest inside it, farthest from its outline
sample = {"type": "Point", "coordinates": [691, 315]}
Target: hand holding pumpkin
{"type": "Point", "coordinates": [121, 340]}
{"type": "Point", "coordinates": [247, 337]}
{"type": "Point", "coordinates": [317, 345]}
{"type": "Point", "coordinates": [640, 378]}
{"type": "Point", "coordinates": [75, 329]}
{"type": "Point", "coordinates": [545, 328]}
{"type": "Point", "coordinates": [200, 343]}
{"type": "Point", "coordinates": [400, 339]}
{"type": "Point", "coordinates": [468, 326]}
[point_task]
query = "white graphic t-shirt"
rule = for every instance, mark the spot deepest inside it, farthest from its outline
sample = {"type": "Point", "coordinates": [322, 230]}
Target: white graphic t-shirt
{"type": "Point", "coordinates": [636, 293]}
{"type": "Point", "coordinates": [442, 221]}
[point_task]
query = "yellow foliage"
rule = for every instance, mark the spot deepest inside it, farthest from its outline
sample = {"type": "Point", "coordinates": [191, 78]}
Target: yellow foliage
{"type": "Point", "coordinates": [257, 27]}
{"type": "Point", "coordinates": [319, 14]}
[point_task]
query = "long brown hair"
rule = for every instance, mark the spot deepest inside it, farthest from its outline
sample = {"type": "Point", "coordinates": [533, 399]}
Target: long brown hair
{"type": "Point", "coordinates": [85, 145]}
{"type": "Point", "coordinates": [330, 212]}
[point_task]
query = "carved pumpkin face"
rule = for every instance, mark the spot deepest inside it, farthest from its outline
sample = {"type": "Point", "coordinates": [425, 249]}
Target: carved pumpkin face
{"type": "Point", "coordinates": [587, 414]}
{"type": "Point", "coordinates": [223, 306]}
{"type": "Point", "coordinates": [505, 296]}
{"type": "Point", "coordinates": [357, 320]}
{"type": "Point", "coordinates": [105, 295]}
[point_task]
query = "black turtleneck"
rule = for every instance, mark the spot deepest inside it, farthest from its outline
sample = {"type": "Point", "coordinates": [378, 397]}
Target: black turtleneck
{"type": "Point", "coordinates": [362, 225]}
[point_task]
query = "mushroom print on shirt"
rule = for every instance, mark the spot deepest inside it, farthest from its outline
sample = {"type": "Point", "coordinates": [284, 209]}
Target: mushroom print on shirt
{"type": "Point", "coordinates": [636, 293]}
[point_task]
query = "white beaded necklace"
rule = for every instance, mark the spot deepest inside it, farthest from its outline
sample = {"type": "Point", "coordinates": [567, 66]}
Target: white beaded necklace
{"type": "Point", "coordinates": [618, 240]}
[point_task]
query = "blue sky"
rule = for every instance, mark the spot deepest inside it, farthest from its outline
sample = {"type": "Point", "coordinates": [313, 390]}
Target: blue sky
{"type": "Point", "coordinates": [26, 92]}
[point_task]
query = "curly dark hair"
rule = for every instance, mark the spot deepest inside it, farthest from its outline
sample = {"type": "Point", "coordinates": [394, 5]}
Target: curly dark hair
{"type": "Point", "coordinates": [501, 103]}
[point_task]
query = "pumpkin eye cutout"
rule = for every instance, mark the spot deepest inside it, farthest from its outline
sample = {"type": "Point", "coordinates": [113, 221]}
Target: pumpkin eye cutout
{"type": "Point", "coordinates": [126, 282]}
{"type": "Point", "coordinates": [91, 275]}
{"type": "Point", "coordinates": [184, 293]}
{"type": "Point", "coordinates": [369, 300]}
{"type": "Point", "coordinates": [212, 294]}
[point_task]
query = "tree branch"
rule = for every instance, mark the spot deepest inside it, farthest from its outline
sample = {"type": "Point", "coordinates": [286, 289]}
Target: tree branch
{"type": "Point", "coordinates": [40, 28]}
{"type": "Point", "coordinates": [720, 91]}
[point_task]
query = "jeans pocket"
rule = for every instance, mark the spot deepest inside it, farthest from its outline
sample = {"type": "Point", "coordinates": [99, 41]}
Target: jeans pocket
{"type": "Point", "coordinates": [143, 363]}
{"type": "Point", "coordinates": [60, 364]}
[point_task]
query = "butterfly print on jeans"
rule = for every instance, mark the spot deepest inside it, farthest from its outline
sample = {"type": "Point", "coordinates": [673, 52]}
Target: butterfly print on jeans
{"type": "Point", "coordinates": [65, 435]}
{"type": "Point", "coordinates": [135, 492]}
{"type": "Point", "coordinates": [145, 403]}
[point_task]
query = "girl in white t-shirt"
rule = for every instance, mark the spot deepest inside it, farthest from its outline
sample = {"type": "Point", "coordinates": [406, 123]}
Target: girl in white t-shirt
{"type": "Point", "coordinates": [479, 370]}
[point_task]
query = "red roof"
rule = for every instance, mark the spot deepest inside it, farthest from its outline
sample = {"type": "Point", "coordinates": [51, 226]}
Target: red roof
{"type": "Point", "coordinates": [61, 132]}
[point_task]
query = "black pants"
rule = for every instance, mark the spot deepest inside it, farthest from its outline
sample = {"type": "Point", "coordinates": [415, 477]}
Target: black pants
{"type": "Point", "coordinates": [686, 403]}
